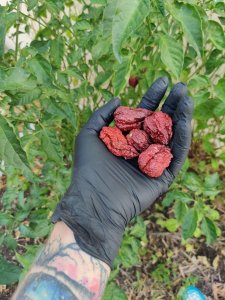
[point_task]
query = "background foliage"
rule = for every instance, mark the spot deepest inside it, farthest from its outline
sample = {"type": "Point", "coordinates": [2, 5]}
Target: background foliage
{"type": "Point", "coordinates": [81, 54]}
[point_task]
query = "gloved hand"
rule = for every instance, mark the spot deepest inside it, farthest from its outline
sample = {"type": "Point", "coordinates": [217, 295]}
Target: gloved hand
{"type": "Point", "coordinates": [106, 191]}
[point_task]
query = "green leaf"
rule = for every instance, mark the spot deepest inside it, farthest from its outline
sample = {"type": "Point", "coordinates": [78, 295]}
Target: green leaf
{"type": "Point", "coordinates": [193, 182]}
{"type": "Point", "coordinates": [83, 25]}
{"type": "Point", "coordinates": [10, 273]}
{"type": "Point", "coordinates": [129, 251]}
{"type": "Point", "coordinates": [139, 229]}
{"type": "Point", "coordinates": [108, 15]}
{"type": "Point", "coordinates": [161, 6]}
{"type": "Point", "coordinates": [51, 145]}
{"type": "Point", "coordinates": [216, 34]}
{"type": "Point", "coordinates": [222, 127]}
{"type": "Point", "coordinates": [41, 69]}
{"type": "Point", "coordinates": [214, 61]}
{"type": "Point", "coordinates": [2, 38]}
{"type": "Point", "coordinates": [121, 75]}
{"type": "Point", "coordinates": [6, 219]}
{"type": "Point", "coordinates": [180, 210]}
{"type": "Point", "coordinates": [220, 89]}
{"type": "Point", "coordinates": [17, 79]}
{"type": "Point", "coordinates": [209, 230]}
{"type": "Point", "coordinates": [176, 195]}
{"type": "Point", "coordinates": [171, 225]}
{"type": "Point", "coordinates": [101, 48]}
{"type": "Point", "coordinates": [27, 258]}
{"type": "Point", "coordinates": [62, 109]}
{"type": "Point", "coordinates": [189, 223]}
{"type": "Point", "coordinates": [212, 180]}
{"type": "Point", "coordinates": [74, 72]}
{"type": "Point", "coordinates": [26, 98]}
{"type": "Point", "coordinates": [10, 242]}
{"type": "Point", "coordinates": [100, 2]}
{"type": "Point", "coordinates": [41, 230]}
{"type": "Point", "coordinates": [129, 15]}
{"type": "Point", "coordinates": [171, 54]}
{"type": "Point", "coordinates": [31, 4]}
{"type": "Point", "coordinates": [10, 149]}
{"type": "Point", "coordinates": [52, 7]}
{"type": "Point", "coordinates": [113, 292]}
{"type": "Point", "coordinates": [102, 77]}
{"type": "Point", "coordinates": [57, 51]}
{"type": "Point", "coordinates": [191, 23]}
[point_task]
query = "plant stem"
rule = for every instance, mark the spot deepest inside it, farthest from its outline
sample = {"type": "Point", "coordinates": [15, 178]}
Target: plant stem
{"type": "Point", "coordinates": [17, 31]}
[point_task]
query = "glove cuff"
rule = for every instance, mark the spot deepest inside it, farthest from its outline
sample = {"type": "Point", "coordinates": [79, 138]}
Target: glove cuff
{"type": "Point", "coordinates": [92, 236]}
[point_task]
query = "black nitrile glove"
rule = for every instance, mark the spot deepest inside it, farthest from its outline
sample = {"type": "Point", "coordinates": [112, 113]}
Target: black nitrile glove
{"type": "Point", "coordinates": [106, 191]}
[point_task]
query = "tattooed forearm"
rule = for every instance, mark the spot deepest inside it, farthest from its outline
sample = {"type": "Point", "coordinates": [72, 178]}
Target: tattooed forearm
{"type": "Point", "coordinates": [63, 271]}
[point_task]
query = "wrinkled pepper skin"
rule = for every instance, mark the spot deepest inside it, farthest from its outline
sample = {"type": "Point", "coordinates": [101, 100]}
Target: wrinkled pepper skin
{"type": "Point", "coordinates": [154, 160]}
{"type": "Point", "coordinates": [159, 127]}
{"type": "Point", "coordinates": [138, 139]}
{"type": "Point", "coordinates": [117, 143]}
{"type": "Point", "coordinates": [127, 118]}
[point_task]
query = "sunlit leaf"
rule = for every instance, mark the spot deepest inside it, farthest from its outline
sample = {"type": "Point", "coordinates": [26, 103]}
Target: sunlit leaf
{"type": "Point", "coordinates": [171, 54]}
{"type": "Point", "coordinates": [129, 15]}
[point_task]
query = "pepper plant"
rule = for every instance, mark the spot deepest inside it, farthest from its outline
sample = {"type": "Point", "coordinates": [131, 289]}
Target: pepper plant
{"type": "Point", "coordinates": [78, 55]}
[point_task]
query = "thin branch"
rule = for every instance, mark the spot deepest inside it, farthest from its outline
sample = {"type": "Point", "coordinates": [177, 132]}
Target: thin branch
{"type": "Point", "coordinates": [17, 31]}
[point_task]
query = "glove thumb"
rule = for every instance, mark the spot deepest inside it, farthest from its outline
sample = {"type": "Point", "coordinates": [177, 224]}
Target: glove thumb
{"type": "Point", "coordinates": [103, 116]}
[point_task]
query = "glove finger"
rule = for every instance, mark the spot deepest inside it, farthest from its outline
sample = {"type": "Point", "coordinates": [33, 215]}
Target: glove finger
{"type": "Point", "coordinates": [154, 94]}
{"type": "Point", "coordinates": [103, 116]}
{"type": "Point", "coordinates": [182, 134]}
{"type": "Point", "coordinates": [178, 91]}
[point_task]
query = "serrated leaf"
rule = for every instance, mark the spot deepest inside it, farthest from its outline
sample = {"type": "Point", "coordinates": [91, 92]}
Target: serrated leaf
{"type": "Point", "coordinates": [10, 149]}
{"type": "Point", "coordinates": [209, 230]}
{"type": "Point", "coordinates": [83, 25]}
{"type": "Point", "coordinates": [10, 242]}
{"type": "Point", "coordinates": [174, 195]}
{"type": "Point", "coordinates": [189, 223]}
{"type": "Point", "coordinates": [102, 77]}
{"type": "Point", "coordinates": [113, 292]}
{"type": "Point", "coordinates": [139, 228]}
{"type": "Point", "coordinates": [191, 23]}
{"type": "Point", "coordinates": [161, 6]}
{"type": "Point", "coordinates": [220, 89]}
{"type": "Point", "coordinates": [108, 14]}
{"type": "Point", "coordinates": [10, 273]}
{"type": "Point", "coordinates": [171, 54]}
{"type": "Point", "coordinates": [74, 72]}
{"type": "Point", "coordinates": [5, 219]}
{"type": "Point", "coordinates": [62, 109]}
{"type": "Point", "coordinates": [27, 258]}
{"type": "Point", "coordinates": [129, 15]}
{"type": "Point", "coordinates": [121, 75]}
{"type": "Point", "coordinates": [26, 98]}
{"type": "Point", "coordinates": [214, 61]}
{"type": "Point", "coordinates": [40, 230]}
{"type": "Point", "coordinates": [16, 79]}
{"type": "Point", "coordinates": [52, 7]}
{"type": "Point", "coordinates": [101, 48]}
{"type": "Point", "coordinates": [57, 50]}
{"type": "Point", "coordinates": [129, 251]}
{"type": "Point", "coordinates": [51, 145]}
{"type": "Point", "coordinates": [41, 69]}
{"type": "Point", "coordinates": [31, 4]}
{"type": "Point", "coordinates": [222, 127]}
{"type": "Point", "coordinates": [180, 210]}
{"type": "Point", "coordinates": [2, 38]}
{"type": "Point", "coordinates": [216, 34]}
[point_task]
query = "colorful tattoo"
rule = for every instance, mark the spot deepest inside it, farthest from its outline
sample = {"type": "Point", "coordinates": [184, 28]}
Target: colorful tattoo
{"type": "Point", "coordinates": [64, 272]}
